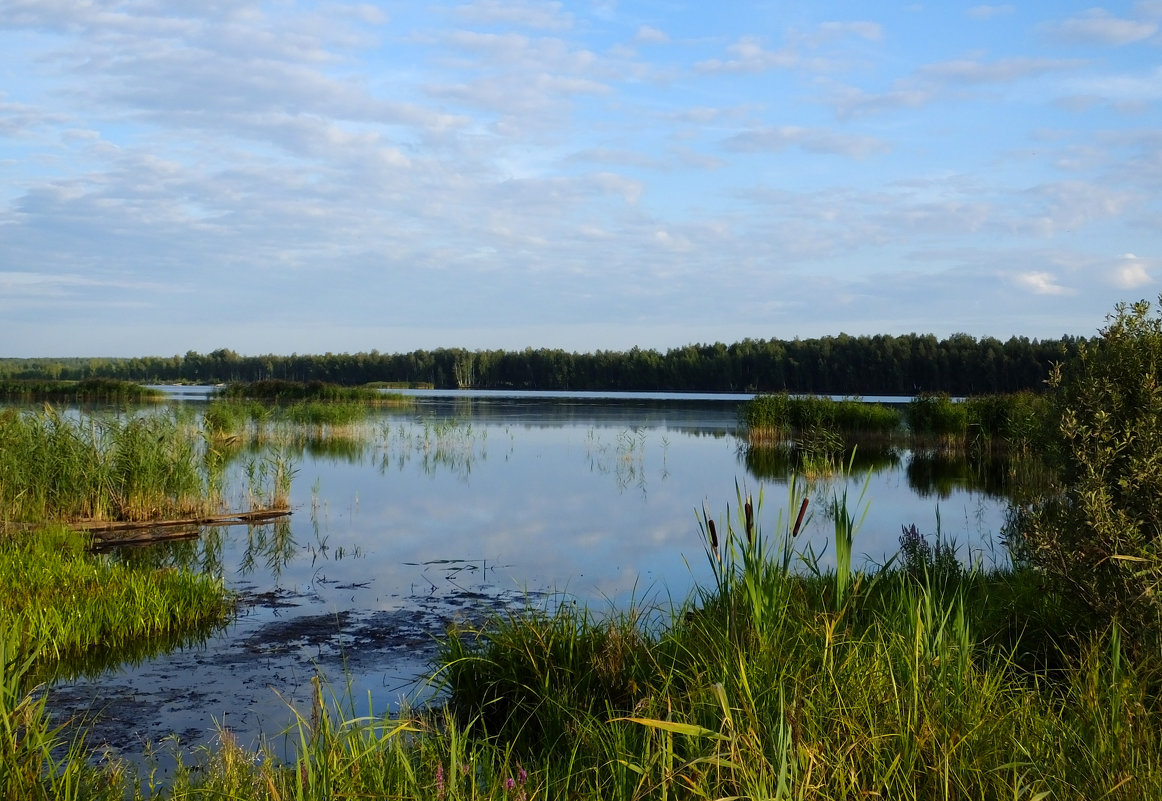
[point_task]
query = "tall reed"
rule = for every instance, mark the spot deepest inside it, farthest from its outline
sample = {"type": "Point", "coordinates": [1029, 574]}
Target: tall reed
{"type": "Point", "coordinates": [55, 466]}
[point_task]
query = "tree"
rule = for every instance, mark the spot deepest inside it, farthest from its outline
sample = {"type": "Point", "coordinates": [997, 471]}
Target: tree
{"type": "Point", "coordinates": [1099, 537]}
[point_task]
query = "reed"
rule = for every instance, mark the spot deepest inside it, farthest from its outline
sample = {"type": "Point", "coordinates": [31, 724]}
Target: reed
{"type": "Point", "coordinates": [291, 391]}
{"type": "Point", "coordinates": [106, 390]}
{"type": "Point", "coordinates": [777, 417]}
{"type": "Point", "coordinates": [99, 466]}
{"type": "Point", "coordinates": [77, 604]}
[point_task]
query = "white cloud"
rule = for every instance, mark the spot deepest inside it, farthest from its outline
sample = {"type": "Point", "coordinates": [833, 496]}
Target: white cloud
{"type": "Point", "coordinates": [813, 140]}
{"type": "Point", "coordinates": [749, 56]}
{"type": "Point", "coordinates": [871, 31]}
{"type": "Point", "coordinates": [525, 13]}
{"type": "Point", "coordinates": [1002, 70]}
{"type": "Point", "coordinates": [648, 35]}
{"type": "Point", "coordinates": [1098, 27]}
{"type": "Point", "coordinates": [1131, 273]}
{"type": "Point", "coordinates": [1042, 283]}
{"type": "Point", "coordinates": [988, 12]}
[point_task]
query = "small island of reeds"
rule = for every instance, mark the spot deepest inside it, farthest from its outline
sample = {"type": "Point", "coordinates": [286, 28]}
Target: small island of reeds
{"type": "Point", "coordinates": [280, 391]}
{"type": "Point", "coordinates": [108, 390]}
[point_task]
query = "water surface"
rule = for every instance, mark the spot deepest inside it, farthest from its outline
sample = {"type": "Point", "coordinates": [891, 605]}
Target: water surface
{"type": "Point", "coordinates": [464, 504]}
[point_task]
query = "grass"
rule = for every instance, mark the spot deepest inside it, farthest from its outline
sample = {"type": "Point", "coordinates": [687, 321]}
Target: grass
{"type": "Point", "coordinates": [288, 391]}
{"type": "Point", "coordinates": [76, 603]}
{"type": "Point", "coordinates": [771, 418]}
{"type": "Point", "coordinates": [58, 467]}
{"type": "Point", "coordinates": [91, 389]}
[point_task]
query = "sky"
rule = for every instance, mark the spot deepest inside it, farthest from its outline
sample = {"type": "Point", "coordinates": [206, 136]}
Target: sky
{"type": "Point", "coordinates": [309, 177]}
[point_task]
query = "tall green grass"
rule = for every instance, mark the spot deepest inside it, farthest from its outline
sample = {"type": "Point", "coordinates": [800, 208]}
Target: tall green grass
{"type": "Point", "coordinates": [75, 602]}
{"type": "Point", "coordinates": [62, 467]}
{"type": "Point", "coordinates": [784, 679]}
{"type": "Point", "coordinates": [289, 391]}
{"type": "Point", "coordinates": [107, 390]}
{"type": "Point", "coordinates": [780, 416]}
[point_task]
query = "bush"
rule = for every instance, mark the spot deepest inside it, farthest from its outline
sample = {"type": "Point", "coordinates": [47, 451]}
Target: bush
{"type": "Point", "coordinates": [1098, 538]}
{"type": "Point", "coordinates": [937, 416]}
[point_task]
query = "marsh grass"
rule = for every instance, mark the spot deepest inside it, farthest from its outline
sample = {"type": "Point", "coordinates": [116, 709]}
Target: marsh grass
{"type": "Point", "coordinates": [105, 390]}
{"type": "Point", "coordinates": [785, 680]}
{"type": "Point", "coordinates": [312, 391]}
{"type": "Point", "coordinates": [772, 418]}
{"type": "Point", "coordinates": [64, 467]}
{"type": "Point", "coordinates": [76, 602]}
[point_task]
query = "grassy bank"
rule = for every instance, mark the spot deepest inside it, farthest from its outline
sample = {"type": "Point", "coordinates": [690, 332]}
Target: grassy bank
{"type": "Point", "coordinates": [780, 678]}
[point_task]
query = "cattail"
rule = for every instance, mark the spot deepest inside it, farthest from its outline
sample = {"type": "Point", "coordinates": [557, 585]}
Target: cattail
{"type": "Point", "coordinates": [749, 512]}
{"type": "Point", "coordinates": [799, 519]}
{"type": "Point", "coordinates": [713, 535]}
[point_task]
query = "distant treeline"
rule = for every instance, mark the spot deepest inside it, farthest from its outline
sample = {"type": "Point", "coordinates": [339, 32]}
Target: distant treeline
{"type": "Point", "coordinates": [840, 365]}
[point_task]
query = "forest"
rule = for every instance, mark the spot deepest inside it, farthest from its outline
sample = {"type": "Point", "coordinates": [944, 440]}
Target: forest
{"type": "Point", "coordinates": [838, 365]}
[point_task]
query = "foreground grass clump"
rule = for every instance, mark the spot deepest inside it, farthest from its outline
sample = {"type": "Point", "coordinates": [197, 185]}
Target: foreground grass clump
{"type": "Point", "coordinates": [91, 389]}
{"type": "Point", "coordinates": [75, 602]}
{"type": "Point", "coordinates": [58, 467]}
{"type": "Point", "coordinates": [923, 680]}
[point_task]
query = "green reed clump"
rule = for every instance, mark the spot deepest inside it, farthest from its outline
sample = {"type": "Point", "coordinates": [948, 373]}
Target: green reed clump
{"type": "Point", "coordinates": [779, 416]}
{"type": "Point", "coordinates": [287, 391]}
{"type": "Point", "coordinates": [91, 389]}
{"type": "Point", "coordinates": [936, 417]}
{"type": "Point", "coordinates": [99, 466]}
{"type": "Point", "coordinates": [225, 419]}
{"type": "Point", "coordinates": [786, 679]}
{"type": "Point", "coordinates": [332, 415]}
{"type": "Point", "coordinates": [37, 760]}
{"type": "Point", "coordinates": [1018, 423]}
{"type": "Point", "coordinates": [74, 602]}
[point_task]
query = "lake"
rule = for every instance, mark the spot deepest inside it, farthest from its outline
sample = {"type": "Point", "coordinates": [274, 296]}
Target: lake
{"type": "Point", "coordinates": [470, 503]}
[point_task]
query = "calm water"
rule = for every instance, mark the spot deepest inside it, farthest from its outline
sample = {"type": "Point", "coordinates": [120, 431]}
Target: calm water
{"type": "Point", "coordinates": [468, 503]}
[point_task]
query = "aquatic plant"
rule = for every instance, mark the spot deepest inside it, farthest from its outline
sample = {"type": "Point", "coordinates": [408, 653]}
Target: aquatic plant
{"type": "Point", "coordinates": [62, 467]}
{"type": "Point", "coordinates": [73, 602]}
{"type": "Point", "coordinates": [105, 390]}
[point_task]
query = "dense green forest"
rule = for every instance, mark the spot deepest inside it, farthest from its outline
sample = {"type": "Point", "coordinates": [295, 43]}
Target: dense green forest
{"type": "Point", "coordinates": [839, 365]}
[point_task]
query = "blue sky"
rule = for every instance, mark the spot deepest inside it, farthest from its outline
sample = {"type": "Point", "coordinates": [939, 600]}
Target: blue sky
{"type": "Point", "coordinates": [278, 177]}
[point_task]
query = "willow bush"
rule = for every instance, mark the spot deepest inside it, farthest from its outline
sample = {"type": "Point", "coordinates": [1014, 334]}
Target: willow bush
{"type": "Point", "coordinates": [1098, 536]}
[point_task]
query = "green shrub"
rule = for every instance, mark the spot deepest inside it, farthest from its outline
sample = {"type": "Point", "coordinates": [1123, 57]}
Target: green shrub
{"type": "Point", "coordinates": [930, 415]}
{"type": "Point", "coordinates": [1099, 537]}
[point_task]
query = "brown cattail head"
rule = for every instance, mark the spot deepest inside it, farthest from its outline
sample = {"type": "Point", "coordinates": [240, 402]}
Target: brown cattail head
{"type": "Point", "coordinates": [713, 535]}
{"type": "Point", "coordinates": [749, 510]}
{"type": "Point", "coordinates": [799, 519]}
